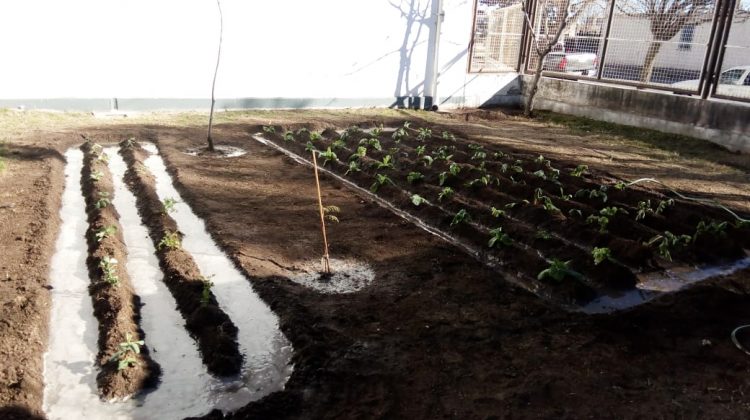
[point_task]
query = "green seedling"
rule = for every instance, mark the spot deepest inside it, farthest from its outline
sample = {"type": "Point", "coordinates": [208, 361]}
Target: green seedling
{"type": "Point", "coordinates": [612, 211]}
{"type": "Point", "coordinates": [377, 131]}
{"type": "Point", "coordinates": [483, 180]}
{"type": "Point", "coordinates": [269, 129]}
{"type": "Point", "coordinates": [543, 235]}
{"type": "Point", "coordinates": [105, 232]}
{"type": "Point", "coordinates": [423, 134]}
{"type": "Point", "coordinates": [206, 291]}
{"type": "Point", "coordinates": [601, 254]}
{"type": "Point", "coordinates": [446, 193]}
{"type": "Point", "coordinates": [407, 124]}
{"type": "Point", "coordinates": [289, 136]}
{"type": "Point", "coordinates": [478, 152]}
{"type": "Point", "coordinates": [565, 197]}
{"type": "Point", "coordinates": [644, 208]}
{"type": "Point", "coordinates": [593, 193]}
{"type": "Point", "coordinates": [460, 217]}
{"type": "Point", "coordinates": [302, 131]}
{"type": "Point", "coordinates": [421, 149]}
{"type": "Point", "coordinates": [359, 154]}
{"type": "Point", "coordinates": [380, 180]}
{"type": "Point", "coordinates": [620, 185]}
{"type": "Point", "coordinates": [386, 163]}
{"type": "Point", "coordinates": [338, 144]}
{"type": "Point", "coordinates": [498, 155]}
{"type": "Point", "coordinates": [497, 212]}
{"type": "Point", "coordinates": [443, 152]}
{"type": "Point", "coordinates": [352, 130]}
{"type": "Point", "coordinates": [374, 143]}
{"type": "Point", "coordinates": [103, 158]}
{"type": "Point", "coordinates": [103, 200]}
{"type": "Point", "coordinates": [427, 160]}
{"type": "Point", "coordinates": [400, 134]}
{"type": "Point", "coordinates": [108, 265]}
{"type": "Point", "coordinates": [498, 236]}
{"type": "Point", "coordinates": [310, 147]}
{"type": "Point", "coordinates": [540, 159]}
{"type": "Point", "coordinates": [558, 270]}
{"type": "Point", "coordinates": [126, 354]}
{"type": "Point", "coordinates": [546, 202]}
{"type": "Point", "coordinates": [454, 169]}
{"type": "Point", "coordinates": [667, 241]}
{"type": "Point", "coordinates": [442, 177]}
{"type": "Point", "coordinates": [328, 156]}
{"type": "Point", "coordinates": [315, 136]}
{"type": "Point", "coordinates": [510, 205]}
{"type": "Point", "coordinates": [418, 200]}
{"type": "Point", "coordinates": [579, 171]}
{"type": "Point", "coordinates": [448, 136]}
{"type": "Point", "coordinates": [330, 213]}
{"type": "Point", "coordinates": [540, 174]}
{"type": "Point", "coordinates": [414, 177]}
{"type": "Point", "coordinates": [713, 228]}
{"type": "Point", "coordinates": [353, 167]}
{"type": "Point", "coordinates": [97, 149]}
{"type": "Point", "coordinates": [130, 143]}
{"type": "Point", "coordinates": [663, 205]}
{"type": "Point", "coordinates": [96, 176]}
{"type": "Point", "coordinates": [168, 205]}
{"type": "Point", "coordinates": [602, 221]}
{"type": "Point", "coordinates": [170, 240]}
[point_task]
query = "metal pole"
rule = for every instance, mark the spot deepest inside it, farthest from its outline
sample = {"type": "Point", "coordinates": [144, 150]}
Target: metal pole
{"type": "Point", "coordinates": [326, 259]}
{"type": "Point", "coordinates": [433, 47]}
{"type": "Point", "coordinates": [600, 70]}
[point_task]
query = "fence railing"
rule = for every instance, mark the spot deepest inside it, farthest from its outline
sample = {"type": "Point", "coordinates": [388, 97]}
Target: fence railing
{"type": "Point", "coordinates": [698, 47]}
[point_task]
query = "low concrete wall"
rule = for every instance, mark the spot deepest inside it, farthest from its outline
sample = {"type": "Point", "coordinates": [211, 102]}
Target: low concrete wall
{"type": "Point", "coordinates": [722, 122]}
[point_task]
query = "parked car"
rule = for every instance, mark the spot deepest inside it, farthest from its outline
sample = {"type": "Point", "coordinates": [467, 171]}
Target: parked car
{"type": "Point", "coordinates": [733, 82]}
{"type": "Point", "coordinates": [582, 63]}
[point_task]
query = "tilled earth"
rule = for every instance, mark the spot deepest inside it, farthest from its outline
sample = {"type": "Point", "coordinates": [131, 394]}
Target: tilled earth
{"type": "Point", "coordinates": [436, 335]}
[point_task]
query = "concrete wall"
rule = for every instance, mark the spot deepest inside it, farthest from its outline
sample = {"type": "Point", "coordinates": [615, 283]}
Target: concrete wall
{"type": "Point", "coordinates": [80, 54]}
{"type": "Point", "coordinates": [723, 123]}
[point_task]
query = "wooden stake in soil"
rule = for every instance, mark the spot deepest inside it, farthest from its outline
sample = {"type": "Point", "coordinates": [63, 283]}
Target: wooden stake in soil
{"type": "Point", "coordinates": [326, 259]}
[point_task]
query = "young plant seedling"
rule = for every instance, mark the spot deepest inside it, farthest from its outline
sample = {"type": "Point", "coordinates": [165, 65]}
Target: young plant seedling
{"type": "Point", "coordinates": [377, 131]}
{"type": "Point", "coordinates": [103, 200]}
{"type": "Point", "coordinates": [478, 152]}
{"type": "Point", "coordinates": [330, 213]}
{"type": "Point", "coordinates": [338, 144]}
{"type": "Point", "coordinates": [423, 134]}
{"type": "Point", "coordinates": [414, 177]}
{"type": "Point", "coordinates": [96, 175]}
{"type": "Point", "coordinates": [359, 154]}
{"type": "Point", "coordinates": [713, 228]}
{"type": "Point", "coordinates": [579, 171]}
{"type": "Point", "coordinates": [353, 167]}
{"type": "Point", "coordinates": [666, 241]}
{"type": "Point", "coordinates": [543, 235]}
{"type": "Point", "coordinates": [315, 136]}
{"type": "Point", "coordinates": [289, 136]}
{"type": "Point", "coordinates": [386, 163]}
{"type": "Point", "coordinates": [269, 129]}
{"type": "Point", "coordinates": [460, 217]}
{"type": "Point", "coordinates": [400, 134]}
{"type": "Point", "coordinates": [206, 291]}
{"type": "Point", "coordinates": [420, 149]}
{"type": "Point", "coordinates": [602, 221]}
{"type": "Point", "coordinates": [497, 212]}
{"type": "Point", "coordinates": [612, 211]}
{"type": "Point", "coordinates": [418, 200]}
{"type": "Point", "coordinates": [446, 193]}
{"type": "Point", "coordinates": [558, 270]}
{"type": "Point", "coordinates": [130, 143]}
{"type": "Point", "coordinates": [454, 168]}
{"type": "Point", "coordinates": [171, 240]}
{"type": "Point", "coordinates": [498, 236]}
{"type": "Point", "coordinates": [127, 352]}
{"type": "Point", "coordinates": [380, 180]}
{"type": "Point", "coordinates": [644, 208]}
{"type": "Point", "coordinates": [328, 156]}
{"type": "Point", "coordinates": [663, 205]}
{"type": "Point", "coordinates": [448, 136]}
{"type": "Point", "coordinates": [105, 232]}
{"type": "Point", "coordinates": [601, 254]}
{"type": "Point", "coordinates": [443, 152]}
{"type": "Point", "coordinates": [427, 160]}
{"type": "Point", "coordinates": [168, 205]}
{"type": "Point", "coordinates": [442, 177]}
{"type": "Point", "coordinates": [108, 265]}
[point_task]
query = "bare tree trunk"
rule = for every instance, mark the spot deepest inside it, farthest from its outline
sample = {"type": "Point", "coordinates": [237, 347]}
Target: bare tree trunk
{"type": "Point", "coordinates": [648, 64]}
{"type": "Point", "coordinates": [213, 85]}
{"type": "Point", "coordinates": [528, 108]}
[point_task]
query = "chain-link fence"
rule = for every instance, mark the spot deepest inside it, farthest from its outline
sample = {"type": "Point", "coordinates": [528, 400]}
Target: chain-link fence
{"type": "Point", "coordinates": [734, 79]}
{"type": "Point", "coordinates": [677, 45]}
{"type": "Point", "coordinates": [498, 34]}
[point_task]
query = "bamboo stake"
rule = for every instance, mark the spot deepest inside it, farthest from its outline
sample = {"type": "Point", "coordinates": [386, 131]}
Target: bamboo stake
{"type": "Point", "coordinates": [326, 259]}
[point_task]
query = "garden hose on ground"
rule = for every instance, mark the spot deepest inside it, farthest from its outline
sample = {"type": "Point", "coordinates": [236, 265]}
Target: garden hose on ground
{"type": "Point", "coordinates": [715, 204]}
{"type": "Point", "coordinates": [708, 201]}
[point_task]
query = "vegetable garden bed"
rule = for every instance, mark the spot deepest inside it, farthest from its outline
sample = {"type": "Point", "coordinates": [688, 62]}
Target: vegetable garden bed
{"type": "Point", "coordinates": [562, 230]}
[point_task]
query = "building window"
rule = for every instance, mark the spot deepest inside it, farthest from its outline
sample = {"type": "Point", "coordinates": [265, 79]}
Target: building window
{"type": "Point", "coordinates": [686, 37]}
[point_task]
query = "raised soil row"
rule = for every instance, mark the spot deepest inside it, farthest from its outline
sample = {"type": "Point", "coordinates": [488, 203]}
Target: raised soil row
{"type": "Point", "coordinates": [207, 323]}
{"type": "Point", "coordinates": [123, 370]}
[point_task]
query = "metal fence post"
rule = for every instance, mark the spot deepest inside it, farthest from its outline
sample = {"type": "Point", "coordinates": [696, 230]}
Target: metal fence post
{"type": "Point", "coordinates": [600, 70]}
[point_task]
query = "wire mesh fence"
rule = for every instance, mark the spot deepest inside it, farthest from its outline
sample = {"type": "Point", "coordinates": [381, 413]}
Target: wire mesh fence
{"type": "Point", "coordinates": [498, 34]}
{"type": "Point", "coordinates": [663, 44]}
{"type": "Point", "coordinates": [734, 79]}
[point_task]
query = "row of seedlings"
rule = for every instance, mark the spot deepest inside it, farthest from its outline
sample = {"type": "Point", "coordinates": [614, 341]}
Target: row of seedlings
{"type": "Point", "coordinates": [207, 323]}
{"type": "Point", "coordinates": [125, 365]}
{"type": "Point", "coordinates": [563, 215]}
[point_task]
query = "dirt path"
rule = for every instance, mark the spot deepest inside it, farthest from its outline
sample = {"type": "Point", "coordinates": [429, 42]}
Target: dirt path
{"type": "Point", "coordinates": [435, 335]}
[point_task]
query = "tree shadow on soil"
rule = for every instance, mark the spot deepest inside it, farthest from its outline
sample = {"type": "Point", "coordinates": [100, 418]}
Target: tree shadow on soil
{"type": "Point", "coordinates": [18, 413]}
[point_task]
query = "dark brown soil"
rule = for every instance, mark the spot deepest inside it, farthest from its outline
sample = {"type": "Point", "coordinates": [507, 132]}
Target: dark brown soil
{"type": "Point", "coordinates": [214, 332]}
{"type": "Point", "coordinates": [435, 335]}
{"type": "Point", "coordinates": [116, 306]}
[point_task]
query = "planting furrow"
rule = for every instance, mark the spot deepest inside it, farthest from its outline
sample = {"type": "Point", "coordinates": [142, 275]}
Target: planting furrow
{"type": "Point", "coordinates": [213, 330]}
{"type": "Point", "coordinates": [125, 365]}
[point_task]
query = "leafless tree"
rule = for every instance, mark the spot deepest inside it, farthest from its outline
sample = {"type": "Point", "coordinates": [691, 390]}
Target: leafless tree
{"type": "Point", "coordinates": [554, 17]}
{"type": "Point", "coordinates": [666, 18]}
{"type": "Point", "coordinates": [213, 84]}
